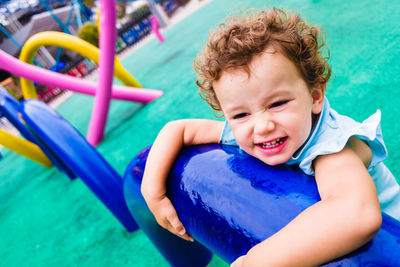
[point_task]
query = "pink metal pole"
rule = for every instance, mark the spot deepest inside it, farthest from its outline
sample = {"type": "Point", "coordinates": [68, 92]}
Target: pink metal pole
{"type": "Point", "coordinates": [43, 76]}
{"type": "Point", "coordinates": [106, 66]}
{"type": "Point", "coordinates": [155, 27]}
{"type": "Point", "coordinates": [103, 92]}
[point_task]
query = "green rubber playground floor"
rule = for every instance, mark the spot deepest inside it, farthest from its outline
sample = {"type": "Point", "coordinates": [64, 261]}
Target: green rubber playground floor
{"type": "Point", "coordinates": [48, 220]}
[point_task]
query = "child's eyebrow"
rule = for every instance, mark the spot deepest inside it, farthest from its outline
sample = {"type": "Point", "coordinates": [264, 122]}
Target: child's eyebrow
{"type": "Point", "coordinates": [234, 109]}
{"type": "Point", "coordinates": [280, 92]}
{"type": "Point", "coordinates": [267, 99]}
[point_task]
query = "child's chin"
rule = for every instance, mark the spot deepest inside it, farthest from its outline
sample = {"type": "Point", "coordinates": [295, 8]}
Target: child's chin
{"type": "Point", "coordinates": [275, 161]}
{"type": "Point", "coordinates": [271, 160]}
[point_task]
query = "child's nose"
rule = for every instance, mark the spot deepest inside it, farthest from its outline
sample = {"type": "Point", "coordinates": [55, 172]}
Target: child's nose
{"type": "Point", "coordinates": [263, 124]}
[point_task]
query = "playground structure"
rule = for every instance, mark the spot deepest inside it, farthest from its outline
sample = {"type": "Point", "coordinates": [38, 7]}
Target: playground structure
{"type": "Point", "coordinates": [68, 18]}
{"type": "Point", "coordinates": [235, 204]}
{"type": "Point", "coordinates": [69, 150]}
{"type": "Point", "coordinates": [109, 190]}
{"type": "Point", "coordinates": [25, 147]}
{"type": "Point", "coordinates": [229, 201]}
{"type": "Point", "coordinates": [155, 28]}
{"type": "Point", "coordinates": [72, 43]}
{"type": "Point", "coordinates": [103, 93]}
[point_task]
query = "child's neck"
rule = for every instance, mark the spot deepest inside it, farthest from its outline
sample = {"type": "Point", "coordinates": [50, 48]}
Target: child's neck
{"type": "Point", "coordinates": [315, 118]}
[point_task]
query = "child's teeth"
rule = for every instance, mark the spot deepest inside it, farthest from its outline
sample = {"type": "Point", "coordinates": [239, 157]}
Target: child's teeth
{"type": "Point", "coordinates": [272, 144]}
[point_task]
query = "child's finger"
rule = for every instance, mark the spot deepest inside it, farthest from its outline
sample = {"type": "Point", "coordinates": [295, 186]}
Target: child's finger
{"type": "Point", "coordinates": [187, 237]}
{"type": "Point", "coordinates": [183, 234]}
{"type": "Point", "coordinates": [173, 219]}
{"type": "Point", "coordinates": [178, 227]}
{"type": "Point", "coordinates": [175, 222]}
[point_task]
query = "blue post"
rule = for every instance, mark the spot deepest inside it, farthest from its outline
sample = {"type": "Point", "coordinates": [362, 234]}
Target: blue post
{"type": "Point", "coordinates": [59, 22]}
{"type": "Point", "coordinates": [4, 30]}
{"type": "Point", "coordinates": [77, 9]}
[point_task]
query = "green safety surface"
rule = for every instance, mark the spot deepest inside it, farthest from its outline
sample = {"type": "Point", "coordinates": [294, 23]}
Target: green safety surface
{"type": "Point", "coordinates": [48, 220]}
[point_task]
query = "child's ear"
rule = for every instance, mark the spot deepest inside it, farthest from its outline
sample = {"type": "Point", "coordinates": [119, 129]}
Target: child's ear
{"type": "Point", "coordinates": [318, 95]}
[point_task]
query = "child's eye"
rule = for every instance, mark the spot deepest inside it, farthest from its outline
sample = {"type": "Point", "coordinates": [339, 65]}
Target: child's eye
{"type": "Point", "coordinates": [278, 104]}
{"type": "Point", "coordinates": [240, 115]}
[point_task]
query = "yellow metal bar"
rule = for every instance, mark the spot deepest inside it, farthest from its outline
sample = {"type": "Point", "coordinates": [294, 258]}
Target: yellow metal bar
{"type": "Point", "coordinates": [24, 148]}
{"type": "Point", "coordinates": [72, 43]}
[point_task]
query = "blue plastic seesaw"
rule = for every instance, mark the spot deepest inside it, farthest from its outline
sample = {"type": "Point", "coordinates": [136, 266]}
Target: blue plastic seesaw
{"type": "Point", "coordinates": [64, 142]}
{"type": "Point", "coordinates": [9, 107]}
{"type": "Point", "coordinates": [230, 201]}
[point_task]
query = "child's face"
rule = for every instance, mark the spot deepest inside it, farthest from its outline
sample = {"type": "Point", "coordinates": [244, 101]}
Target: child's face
{"type": "Point", "coordinates": [270, 111]}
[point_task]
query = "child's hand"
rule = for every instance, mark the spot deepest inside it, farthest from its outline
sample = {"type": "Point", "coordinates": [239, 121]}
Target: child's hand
{"type": "Point", "coordinates": [169, 142]}
{"type": "Point", "coordinates": [166, 216]}
{"type": "Point", "coordinates": [238, 262]}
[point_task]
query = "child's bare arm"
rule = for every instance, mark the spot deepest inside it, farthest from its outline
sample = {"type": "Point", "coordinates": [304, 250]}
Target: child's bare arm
{"type": "Point", "coordinates": [165, 149]}
{"type": "Point", "coordinates": [347, 216]}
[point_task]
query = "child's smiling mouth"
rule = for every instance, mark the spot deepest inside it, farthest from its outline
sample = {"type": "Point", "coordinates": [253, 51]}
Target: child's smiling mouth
{"type": "Point", "coordinates": [272, 147]}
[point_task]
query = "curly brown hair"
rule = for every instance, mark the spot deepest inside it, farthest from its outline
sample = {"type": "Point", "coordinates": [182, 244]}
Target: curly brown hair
{"type": "Point", "coordinates": [235, 43]}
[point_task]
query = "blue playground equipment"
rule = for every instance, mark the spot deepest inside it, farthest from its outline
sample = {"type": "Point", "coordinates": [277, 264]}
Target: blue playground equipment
{"type": "Point", "coordinates": [9, 109]}
{"type": "Point", "coordinates": [227, 200]}
{"type": "Point", "coordinates": [230, 201]}
{"type": "Point", "coordinates": [69, 151]}
{"type": "Point", "coordinates": [72, 149]}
